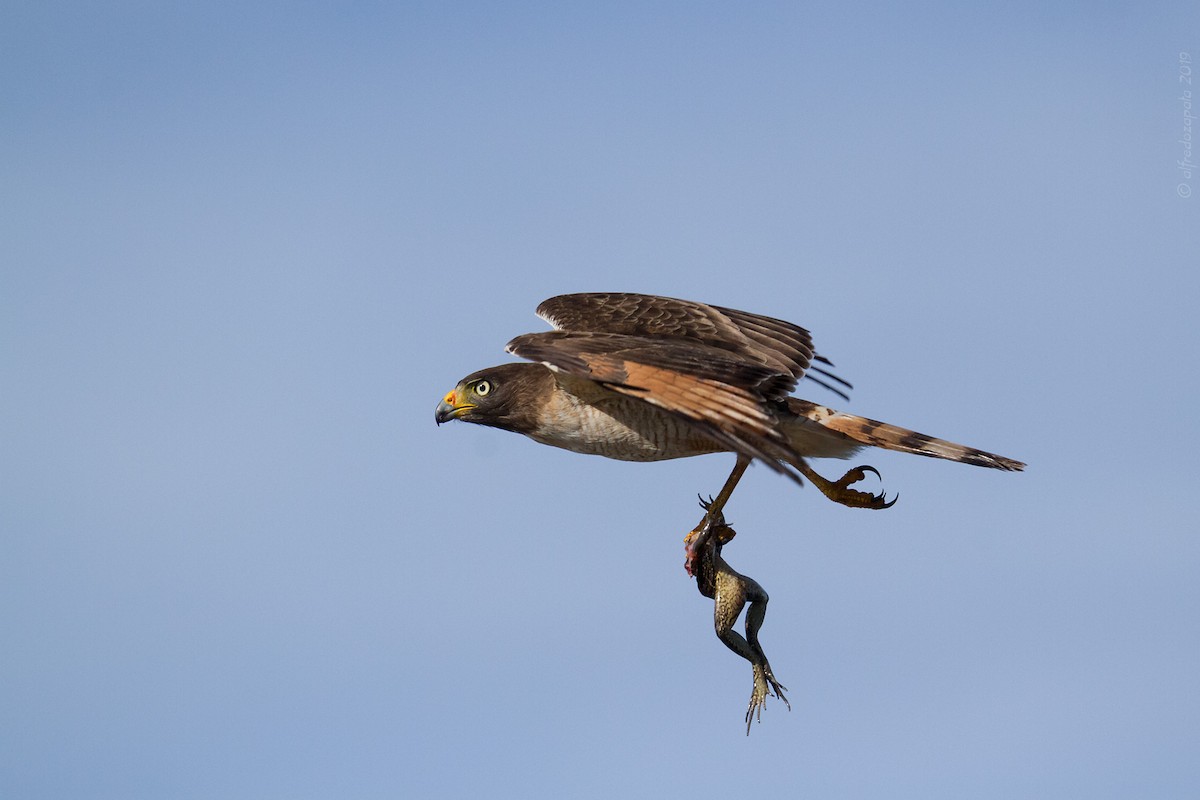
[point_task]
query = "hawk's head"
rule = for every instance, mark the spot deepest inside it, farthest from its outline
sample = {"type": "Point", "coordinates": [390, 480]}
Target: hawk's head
{"type": "Point", "coordinates": [508, 396]}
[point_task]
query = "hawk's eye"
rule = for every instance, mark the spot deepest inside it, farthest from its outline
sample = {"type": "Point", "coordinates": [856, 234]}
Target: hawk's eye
{"type": "Point", "coordinates": [482, 388]}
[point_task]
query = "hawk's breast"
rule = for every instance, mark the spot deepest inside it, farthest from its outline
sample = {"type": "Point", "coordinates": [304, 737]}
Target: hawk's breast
{"type": "Point", "coordinates": [618, 427]}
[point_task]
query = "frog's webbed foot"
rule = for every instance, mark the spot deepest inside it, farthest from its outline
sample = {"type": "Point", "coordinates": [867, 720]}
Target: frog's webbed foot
{"type": "Point", "coordinates": [764, 686]}
{"type": "Point", "coordinates": [839, 491]}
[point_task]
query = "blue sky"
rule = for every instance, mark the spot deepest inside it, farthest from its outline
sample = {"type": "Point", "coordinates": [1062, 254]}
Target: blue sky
{"type": "Point", "coordinates": [248, 247]}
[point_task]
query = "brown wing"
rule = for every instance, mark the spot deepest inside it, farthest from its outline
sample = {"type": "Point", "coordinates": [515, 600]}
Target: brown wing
{"type": "Point", "coordinates": [714, 389]}
{"type": "Point", "coordinates": [780, 345]}
{"type": "Point", "coordinates": [766, 340]}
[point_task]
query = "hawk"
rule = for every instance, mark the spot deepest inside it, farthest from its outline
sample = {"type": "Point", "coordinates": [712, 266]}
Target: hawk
{"type": "Point", "coordinates": [645, 378]}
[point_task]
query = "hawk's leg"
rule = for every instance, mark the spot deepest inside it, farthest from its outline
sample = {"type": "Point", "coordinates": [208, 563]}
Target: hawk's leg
{"type": "Point", "coordinates": [730, 592]}
{"type": "Point", "coordinates": [714, 508]}
{"type": "Point", "coordinates": [840, 492]}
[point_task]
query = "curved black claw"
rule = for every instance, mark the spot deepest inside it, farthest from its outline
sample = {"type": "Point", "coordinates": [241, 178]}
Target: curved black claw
{"type": "Point", "coordinates": [859, 473]}
{"type": "Point", "coordinates": [842, 493]}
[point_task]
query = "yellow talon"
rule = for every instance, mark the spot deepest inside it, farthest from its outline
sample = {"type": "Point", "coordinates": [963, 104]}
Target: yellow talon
{"type": "Point", "coordinates": [840, 491]}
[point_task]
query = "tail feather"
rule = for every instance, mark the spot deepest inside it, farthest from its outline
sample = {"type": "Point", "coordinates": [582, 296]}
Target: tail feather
{"type": "Point", "coordinates": [892, 437]}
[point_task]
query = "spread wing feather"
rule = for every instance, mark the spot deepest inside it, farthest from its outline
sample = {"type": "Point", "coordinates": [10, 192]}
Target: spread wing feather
{"type": "Point", "coordinates": [770, 342]}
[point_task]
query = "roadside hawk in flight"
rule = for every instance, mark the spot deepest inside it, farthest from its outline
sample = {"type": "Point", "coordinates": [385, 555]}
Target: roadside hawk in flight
{"type": "Point", "coordinates": [645, 378]}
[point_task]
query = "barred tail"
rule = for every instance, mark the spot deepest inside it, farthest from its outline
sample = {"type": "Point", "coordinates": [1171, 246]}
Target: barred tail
{"type": "Point", "coordinates": [892, 437]}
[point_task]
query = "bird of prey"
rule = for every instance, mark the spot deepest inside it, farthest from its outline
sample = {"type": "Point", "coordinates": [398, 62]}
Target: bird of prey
{"type": "Point", "coordinates": [645, 378]}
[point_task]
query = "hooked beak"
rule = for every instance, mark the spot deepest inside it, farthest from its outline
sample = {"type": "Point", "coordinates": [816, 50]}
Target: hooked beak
{"type": "Point", "coordinates": [450, 408]}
